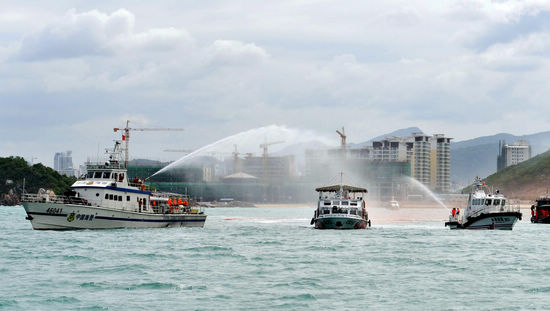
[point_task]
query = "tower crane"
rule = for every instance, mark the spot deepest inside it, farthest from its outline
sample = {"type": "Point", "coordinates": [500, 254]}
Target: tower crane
{"type": "Point", "coordinates": [266, 144]}
{"type": "Point", "coordinates": [179, 150]}
{"type": "Point", "coordinates": [343, 137]}
{"type": "Point", "coordinates": [126, 135]}
{"type": "Point", "coordinates": [343, 141]}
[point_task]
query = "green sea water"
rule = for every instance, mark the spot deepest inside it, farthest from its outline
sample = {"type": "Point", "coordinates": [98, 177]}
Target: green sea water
{"type": "Point", "coordinates": [259, 259]}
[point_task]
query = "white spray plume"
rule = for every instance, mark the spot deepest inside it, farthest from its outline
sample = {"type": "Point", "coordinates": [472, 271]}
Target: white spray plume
{"type": "Point", "coordinates": [249, 142]}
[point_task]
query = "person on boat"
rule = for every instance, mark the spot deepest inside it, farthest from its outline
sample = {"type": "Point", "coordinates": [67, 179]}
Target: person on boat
{"type": "Point", "coordinates": [458, 211]}
{"type": "Point", "coordinates": [532, 211]}
{"type": "Point", "coordinates": [453, 212]}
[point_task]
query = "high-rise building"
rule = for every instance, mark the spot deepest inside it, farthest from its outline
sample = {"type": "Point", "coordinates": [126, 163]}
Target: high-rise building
{"type": "Point", "coordinates": [512, 154]}
{"type": "Point", "coordinates": [443, 163]}
{"type": "Point", "coordinates": [63, 163]}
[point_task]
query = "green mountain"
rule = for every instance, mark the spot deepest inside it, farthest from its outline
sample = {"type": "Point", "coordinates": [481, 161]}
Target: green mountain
{"type": "Point", "coordinates": [14, 169]}
{"type": "Point", "coordinates": [526, 180]}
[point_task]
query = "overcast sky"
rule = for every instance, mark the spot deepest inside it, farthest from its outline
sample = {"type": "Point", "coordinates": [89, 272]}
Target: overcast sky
{"type": "Point", "coordinates": [70, 71]}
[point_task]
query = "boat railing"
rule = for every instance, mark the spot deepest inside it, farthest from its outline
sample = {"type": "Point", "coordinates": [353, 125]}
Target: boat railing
{"type": "Point", "coordinates": [496, 209]}
{"type": "Point", "coordinates": [165, 209]}
{"type": "Point", "coordinates": [140, 186]}
{"type": "Point", "coordinates": [43, 198]}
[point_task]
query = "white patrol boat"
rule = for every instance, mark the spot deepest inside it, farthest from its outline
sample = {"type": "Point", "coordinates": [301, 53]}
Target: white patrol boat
{"type": "Point", "coordinates": [105, 199]}
{"type": "Point", "coordinates": [341, 207]}
{"type": "Point", "coordinates": [485, 210]}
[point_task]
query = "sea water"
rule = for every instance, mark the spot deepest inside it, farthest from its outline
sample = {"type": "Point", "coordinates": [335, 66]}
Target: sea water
{"type": "Point", "coordinates": [271, 258]}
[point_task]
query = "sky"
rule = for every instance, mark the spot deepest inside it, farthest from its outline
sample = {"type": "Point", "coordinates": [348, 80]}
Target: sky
{"type": "Point", "coordinates": [70, 71]}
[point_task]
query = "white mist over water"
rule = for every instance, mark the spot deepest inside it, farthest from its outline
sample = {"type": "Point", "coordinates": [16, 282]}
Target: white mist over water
{"type": "Point", "coordinates": [249, 142]}
{"type": "Point", "coordinates": [426, 190]}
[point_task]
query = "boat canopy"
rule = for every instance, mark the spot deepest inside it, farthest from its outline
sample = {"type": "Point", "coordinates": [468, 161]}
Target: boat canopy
{"type": "Point", "coordinates": [336, 188]}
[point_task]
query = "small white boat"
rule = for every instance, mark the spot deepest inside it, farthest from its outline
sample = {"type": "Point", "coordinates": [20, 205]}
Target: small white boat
{"type": "Point", "coordinates": [393, 204]}
{"type": "Point", "coordinates": [341, 207]}
{"type": "Point", "coordinates": [485, 210]}
{"type": "Point", "coordinates": [105, 199]}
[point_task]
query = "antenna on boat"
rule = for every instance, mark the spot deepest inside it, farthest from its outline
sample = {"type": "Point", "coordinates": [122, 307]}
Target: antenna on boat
{"type": "Point", "coordinates": [126, 136]}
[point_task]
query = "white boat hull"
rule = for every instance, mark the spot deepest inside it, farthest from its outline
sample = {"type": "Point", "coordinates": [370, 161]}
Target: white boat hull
{"type": "Point", "coordinates": [492, 221]}
{"type": "Point", "coordinates": [56, 216]}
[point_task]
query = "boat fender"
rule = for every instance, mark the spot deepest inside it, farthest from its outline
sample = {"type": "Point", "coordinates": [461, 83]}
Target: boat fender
{"type": "Point", "coordinates": [369, 223]}
{"type": "Point", "coordinates": [312, 221]}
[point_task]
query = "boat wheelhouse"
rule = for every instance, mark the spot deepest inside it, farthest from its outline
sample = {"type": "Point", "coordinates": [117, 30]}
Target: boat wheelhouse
{"type": "Point", "coordinates": [341, 207]}
{"type": "Point", "coordinates": [104, 199]}
{"type": "Point", "coordinates": [485, 210]}
{"type": "Point", "coordinates": [540, 213]}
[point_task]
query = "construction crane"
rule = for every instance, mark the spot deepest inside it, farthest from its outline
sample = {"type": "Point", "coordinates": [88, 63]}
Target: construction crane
{"type": "Point", "coordinates": [266, 144]}
{"type": "Point", "coordinates": [343, 138]}
{"type": "Point", "coordinates": [178, 150]}
{"type": "Point", "coordinates": [236, 166]}
{"type": "Point", "coordinates": [343, 141]}
{"type": "Point", "coordinates": [126, 136]}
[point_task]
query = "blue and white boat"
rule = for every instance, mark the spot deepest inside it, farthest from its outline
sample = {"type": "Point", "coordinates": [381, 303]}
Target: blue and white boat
{"type": "Point", "coordinates": [105, 199]}
{"type": "Point", "coordinates": [341, 207]}
{"type": "Point", "coordinates": [485, 210]}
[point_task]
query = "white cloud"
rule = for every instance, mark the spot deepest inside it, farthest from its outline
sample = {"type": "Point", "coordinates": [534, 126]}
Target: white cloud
{"type": "Point", "coordinates": [95, 33]}
{"type": "Point", "coordinates": [218, 68]}
{"type": "Point", "coordinates": [231, 52]}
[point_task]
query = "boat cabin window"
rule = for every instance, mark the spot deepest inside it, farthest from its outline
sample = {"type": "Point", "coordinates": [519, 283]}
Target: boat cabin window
{"type": "Point", "coordinates": [353, 211]}
{"type": "Point", "coordinates": [110, 196]}
{"type": "Point", "coordinates": [503, 202]}
{"type": "Point", "coordinates": [106, 175]}
{"type": "Point", "coordinates": [97, 175]}
{"type": "Point", "coordinates": [353, 203]}
{"type": "Point", "coordinates": [496, 202]}
{"type": "Point", "coordinates": [326, 202]}
{"type": "Point", "coordinates": [121, 177]}
{"type": "Point", "coordinates": [345, 202]}
{"type": "Point", "coordinates": [90, 175]}
{"type": "Point", "coordinates": [127, 198]}
{"type": "Point", "coordinates": [488, 202]}
{"type": "Point", "coordinates": [120, 198]}
{"type": "Point", "coordinates": [326, 211]}
{"type": "Point", "coordinates": [106, 196]}
{"type": "Point", "coordinates": [336, 202]}
{"type": "Point", "coordinates": [115, 176]}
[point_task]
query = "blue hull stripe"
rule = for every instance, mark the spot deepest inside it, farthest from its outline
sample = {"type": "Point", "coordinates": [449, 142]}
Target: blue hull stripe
{"type": "Point", "coordinates": [46, 214]}
{"type": "Point", "coordinates": [127, 219]}
{"type": "Point", "coordinates": [150, 220]}
{"type": "Point", "coordinates": [116, 189]}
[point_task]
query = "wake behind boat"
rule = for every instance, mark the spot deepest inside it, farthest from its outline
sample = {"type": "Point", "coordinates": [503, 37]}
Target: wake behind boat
{"type": "Point", "coordinates": [485, 210]}
{"type": "Point", "coordinates": [105, 199]}
{"type": "Point", "coordinates": [341, 207]}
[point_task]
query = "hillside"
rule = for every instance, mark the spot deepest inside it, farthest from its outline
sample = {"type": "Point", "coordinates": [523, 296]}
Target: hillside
{"type": "Point", "coordinates": [14, 169]}
{"type": "Point", "coordinates": [478, 156]}
{"type": "Point", "coordinates": [526, 180]}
